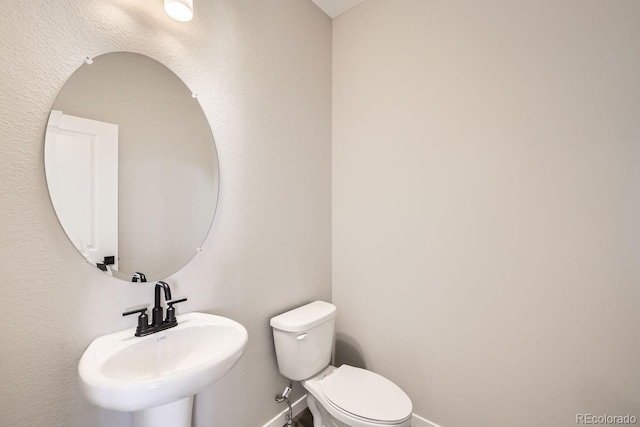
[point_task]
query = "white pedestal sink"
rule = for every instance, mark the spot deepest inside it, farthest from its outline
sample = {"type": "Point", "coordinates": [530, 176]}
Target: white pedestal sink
{"type": "Point", "coordinates": [157, 376]}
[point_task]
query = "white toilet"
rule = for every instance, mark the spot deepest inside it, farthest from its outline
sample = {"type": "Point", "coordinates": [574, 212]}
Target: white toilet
{"type": "Point", "coordinates": [337, 397]}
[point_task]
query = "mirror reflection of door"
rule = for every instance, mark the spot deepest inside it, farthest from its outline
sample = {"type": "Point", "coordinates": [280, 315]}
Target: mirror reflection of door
{"type": "Point", "coordinates": [82, 174]}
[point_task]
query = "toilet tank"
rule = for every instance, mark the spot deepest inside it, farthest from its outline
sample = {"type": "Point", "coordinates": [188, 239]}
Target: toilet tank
{"type": "Point", "coordinates": [303, 339]}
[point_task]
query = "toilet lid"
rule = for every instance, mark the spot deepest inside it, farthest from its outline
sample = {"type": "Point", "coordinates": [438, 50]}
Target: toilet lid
{"type": "Point", "coordinates": [366, 394]}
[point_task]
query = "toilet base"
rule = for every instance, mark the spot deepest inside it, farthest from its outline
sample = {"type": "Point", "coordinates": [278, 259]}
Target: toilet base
{"type": "Point", "coordinates": [321, 418]}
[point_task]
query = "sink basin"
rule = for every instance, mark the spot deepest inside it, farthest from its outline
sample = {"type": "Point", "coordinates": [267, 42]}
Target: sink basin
{"type": "Point", "coordinates": [127, 373]}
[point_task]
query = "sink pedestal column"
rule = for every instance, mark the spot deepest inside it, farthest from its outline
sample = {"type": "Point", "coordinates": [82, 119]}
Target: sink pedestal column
{"type": "Point", "coordinates": [174, 414]}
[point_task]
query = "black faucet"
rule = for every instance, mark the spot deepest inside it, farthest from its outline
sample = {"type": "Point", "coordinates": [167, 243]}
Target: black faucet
{"type": "Point", "coordinates": [156, 313]}
{"type": "Point", "coordinates": [157, 323]}
{"type": "Point", "coordinates": [139, 277]}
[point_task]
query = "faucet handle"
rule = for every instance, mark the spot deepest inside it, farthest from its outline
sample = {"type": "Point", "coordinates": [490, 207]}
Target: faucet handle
{"type": "Point", "coordinates": [175, 301]}
{"type": "Point", "coordinates": [171, 312]}
{"type": "Point", "coordinates": [142, 312]}
{"type": "Point", "coordinates": [143, 319]}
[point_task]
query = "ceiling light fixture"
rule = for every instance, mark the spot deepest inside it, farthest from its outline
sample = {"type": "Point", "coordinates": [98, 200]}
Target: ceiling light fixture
{"type": "Point", "coordinates": [180, 10]}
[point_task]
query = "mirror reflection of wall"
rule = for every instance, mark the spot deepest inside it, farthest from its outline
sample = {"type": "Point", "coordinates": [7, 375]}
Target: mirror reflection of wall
{"type": "Point", "coordinates": [166, 163]}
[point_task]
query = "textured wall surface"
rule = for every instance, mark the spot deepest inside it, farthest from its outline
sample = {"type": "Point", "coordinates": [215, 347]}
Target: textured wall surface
{"type": "Point", "coordinates": [486, 205]}
{"type": "Point", "coordinates": [262, 72]}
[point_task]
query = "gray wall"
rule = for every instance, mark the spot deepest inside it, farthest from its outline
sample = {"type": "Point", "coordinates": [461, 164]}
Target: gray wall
{"type": "Point", "coordinates": [486, 205]}
{"type": "Point", "coordinates": [262, 72]}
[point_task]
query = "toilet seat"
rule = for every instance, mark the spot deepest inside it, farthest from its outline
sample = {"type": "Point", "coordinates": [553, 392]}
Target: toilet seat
{"type": "Point", "coordinates": [366, 396]}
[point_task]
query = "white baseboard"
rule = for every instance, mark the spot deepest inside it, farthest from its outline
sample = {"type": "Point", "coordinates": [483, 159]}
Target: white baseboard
{"type": "Point", "coordinates": [418, 421]}
{"type": "Point", "coordinates": [301, 404]}
{"type": "Point", "coordinates": [297, 406]}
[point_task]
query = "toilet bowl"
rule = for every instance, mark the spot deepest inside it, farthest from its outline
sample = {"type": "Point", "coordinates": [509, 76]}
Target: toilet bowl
{"type": "Point", "coordinates": [354, 397]}
{"type": "Point", "coordinates": [343, 396]}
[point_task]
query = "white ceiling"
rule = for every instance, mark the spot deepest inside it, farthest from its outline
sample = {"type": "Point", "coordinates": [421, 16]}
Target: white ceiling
{"type": "Point", "coordinates": [334, 8]}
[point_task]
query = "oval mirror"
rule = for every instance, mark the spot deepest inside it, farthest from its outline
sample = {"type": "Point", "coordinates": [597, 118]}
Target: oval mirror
{"type": "Point", "coordinates": [131, 167]}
